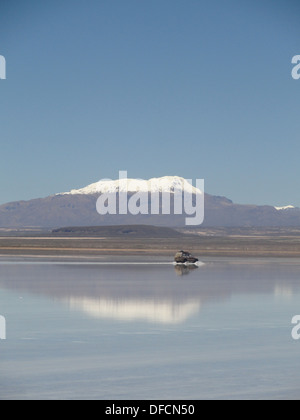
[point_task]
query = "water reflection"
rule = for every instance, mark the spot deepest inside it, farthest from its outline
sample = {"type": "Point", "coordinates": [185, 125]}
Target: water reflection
{"type": "Point", "coordinates": [164, 311]}
{"type": "Point", "coordinates": [152, 293]}
{"type": "Point", "coordinates": [181, 270]}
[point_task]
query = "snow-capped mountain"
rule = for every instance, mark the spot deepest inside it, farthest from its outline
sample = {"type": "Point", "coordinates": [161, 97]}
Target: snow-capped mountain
{"type": "Point", "coordinates": [170, 184]}
{"type": "Point", "coordinates": [285, 207]}
{"type": "Point", "coordinates": [78, 207]}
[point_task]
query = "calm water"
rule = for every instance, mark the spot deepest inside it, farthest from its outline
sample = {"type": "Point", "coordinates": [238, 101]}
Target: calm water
{"type": "Point", "coordinates": [137, 330]}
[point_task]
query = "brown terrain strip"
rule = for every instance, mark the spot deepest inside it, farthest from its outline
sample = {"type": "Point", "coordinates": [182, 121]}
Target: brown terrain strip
{"type": "Point", "coordinates": [210, 245]}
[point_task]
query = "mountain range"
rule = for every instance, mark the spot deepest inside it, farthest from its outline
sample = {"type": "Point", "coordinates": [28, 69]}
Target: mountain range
{"type": "Point", "coordinates": [78, 208]}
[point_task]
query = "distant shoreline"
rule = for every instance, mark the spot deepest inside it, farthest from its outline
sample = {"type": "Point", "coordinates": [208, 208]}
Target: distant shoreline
{"type": "Point", "coordinates": [262, 245]}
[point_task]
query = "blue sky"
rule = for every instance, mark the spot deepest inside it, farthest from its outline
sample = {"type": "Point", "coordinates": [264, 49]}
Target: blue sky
{"type": "Point", "coordinates": [199, 89]}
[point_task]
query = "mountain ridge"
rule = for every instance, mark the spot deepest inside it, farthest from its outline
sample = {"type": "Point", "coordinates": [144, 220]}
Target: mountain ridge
{"type": "Point", "coordinates": [166, 184]}
{"type": "Point", "coordinates": [79, 209]}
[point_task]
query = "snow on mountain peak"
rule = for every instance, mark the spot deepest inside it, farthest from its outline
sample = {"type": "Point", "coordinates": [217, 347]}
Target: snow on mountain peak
{"type": "Point", "coordinates": [284, 207]}
{"type": "Point", "coordinates": [171, 184]}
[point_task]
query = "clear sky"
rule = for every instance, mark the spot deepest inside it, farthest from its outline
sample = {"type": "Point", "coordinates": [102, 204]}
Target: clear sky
{"type": "Point", "coordinates": [194, 88]}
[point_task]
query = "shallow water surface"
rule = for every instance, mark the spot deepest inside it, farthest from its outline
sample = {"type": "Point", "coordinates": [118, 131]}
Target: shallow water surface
{"type": "Point", "coordinates": [144, 329]}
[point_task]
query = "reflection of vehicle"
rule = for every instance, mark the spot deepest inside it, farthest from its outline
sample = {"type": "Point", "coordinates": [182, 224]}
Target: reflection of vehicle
{"type": "Point", "coordinates": [183, 257]}
{"type": "Point", "coordinates": [182, 269]}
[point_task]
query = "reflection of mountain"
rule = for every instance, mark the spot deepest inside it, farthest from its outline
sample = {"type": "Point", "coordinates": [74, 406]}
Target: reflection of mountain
{"type": "Point", "coordinates": [161, 311]}
{"type": "Point", "coordinates": [150, 292]}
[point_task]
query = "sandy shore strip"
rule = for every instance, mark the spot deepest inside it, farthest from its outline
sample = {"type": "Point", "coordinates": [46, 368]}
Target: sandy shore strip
{"type": "Point", "coordinates": [262, 246]}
